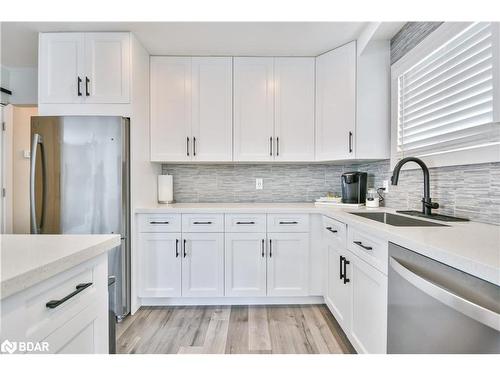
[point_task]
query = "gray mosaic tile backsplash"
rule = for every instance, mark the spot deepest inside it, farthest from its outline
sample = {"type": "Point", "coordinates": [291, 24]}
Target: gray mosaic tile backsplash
{"type": "Point", "coordinates": [471, 191]}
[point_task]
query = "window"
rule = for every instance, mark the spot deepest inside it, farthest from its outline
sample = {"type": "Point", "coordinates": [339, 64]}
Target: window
{"type": "Point", "coordinates": [447, 97]}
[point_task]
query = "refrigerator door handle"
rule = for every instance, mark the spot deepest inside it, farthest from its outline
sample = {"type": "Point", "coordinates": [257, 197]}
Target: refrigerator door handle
{"type": "Point", "coordinates": [37, 140]}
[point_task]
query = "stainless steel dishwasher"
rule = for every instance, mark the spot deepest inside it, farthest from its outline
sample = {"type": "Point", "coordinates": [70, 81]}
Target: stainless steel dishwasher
{"type": "Point", "coordinates": [434, 308]}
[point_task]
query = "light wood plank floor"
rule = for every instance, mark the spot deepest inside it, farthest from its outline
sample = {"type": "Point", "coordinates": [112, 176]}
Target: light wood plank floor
{"type": "Point", "coordinates": [299, 329]}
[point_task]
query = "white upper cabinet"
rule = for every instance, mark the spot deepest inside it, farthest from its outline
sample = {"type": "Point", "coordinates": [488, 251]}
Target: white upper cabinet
{"type": "Point", "coordinates": [212, 108]}
{"type": "Point", "coordinates": [107, 64]}
{"type": "Point", "coordinates": [61, 68]}
{"type": "Point", "coordinates": [336, 103]}
{"type": "Point", "coordinates": [294, 108]}
{"type": "Point", "coordinates": [253, 108]}
{"type": "Point", "coordinates": [352, 102]}
{"type": "Point", "coordinates": [191, 109]}
{"type": "Point", "coordinates": [81, 68]}
{"type": "Point", "coordinates": [170, 108]}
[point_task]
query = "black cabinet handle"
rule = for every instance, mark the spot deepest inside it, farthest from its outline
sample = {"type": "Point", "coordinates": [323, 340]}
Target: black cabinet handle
{"type": "Point", "coordinates": [79, 83]}
{"type": "Point", "coordinates": [360, 244]}
{"type": "Point", "coordinates": [177, 248]}
{"type": "Point", "coordinates": [79, 288]}
{"type": "Point", "coordinates": [270, 146]}
{"type": "Point", "coordinates": [187, 146]}
{"type": "Point", "coordinates": [202, 222]}
{"type": "Point", "coordinates": [245, 222]}
{"type": "Point", "coordinates": [194, 146]}
{"type": "Point", "coordinates": [184, 249]}
{"type": "Point", "coordinates": [263, 248]}
{"type": "Point", "coordinates": [87, 91]}
{"type": "Point", "coordinates": [288, 222]}
{"type": "Point", "coordinates": [331, 229]}
{"type": "Point", "coordinates": [346, 262]}
{"type": "Point", "coordinates": [270, 248]}
{"type": "Point", "coordinates": [158, 222]}
{"type": "Point", "coordinates": [350, 142]}
{"type": "Point", "coordinates": [341, 267]}
{"type": "Point", "coordinates": [277, 146]}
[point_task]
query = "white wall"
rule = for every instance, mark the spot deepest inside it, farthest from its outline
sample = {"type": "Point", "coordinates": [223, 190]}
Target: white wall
{"type": "Point", "coordinates": [23, 82]}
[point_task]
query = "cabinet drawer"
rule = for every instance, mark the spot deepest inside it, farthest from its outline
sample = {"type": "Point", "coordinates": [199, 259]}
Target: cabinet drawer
{"type": "Point", "coordinates": [26, 316]}
{"type": "Point", "coordinates": [335, 231]}
{"type": "Point", "coordinates": [287, 223]}
{"type": "Point", "coordinates": [245, 223]}
{"type": "Point", "coordinates": [159, 223]}
{"type": "Point", "coordinates": [371, 249]}
{"type": "Point", "coordinates": [202, 222]}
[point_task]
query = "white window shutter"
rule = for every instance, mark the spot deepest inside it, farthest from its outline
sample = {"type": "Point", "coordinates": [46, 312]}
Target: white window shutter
{"type": "Point", "coordinates": [447, 100]}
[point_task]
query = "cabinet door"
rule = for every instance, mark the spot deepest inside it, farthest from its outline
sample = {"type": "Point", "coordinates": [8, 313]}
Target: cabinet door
{"type": "Point", "coordinates": [86, 333]}
{"type": "Point", "coordinates": [212, 109]}
{"type": "Point", "coordinates": [253, 109]}
{"type": "Point", "coordinates": [203, 265]}
{"type": "Point", "coordinates": [294, 108]}
{"type": "Point", "coordinates": [369, 308]}
{"type": "Point", "coordinates": [160, 264]}
{"type": "Point", "coordinates": [170, 109]}
{"type": "Point", "coordinates": [288, 264]}
{"type": "Point", "coordinates": [61, 74]}
{"type": "Point", "coordinates": [338, 296]}
{"type": "Point", "coordinates": [107, 67]}
{"type": "Point", "coordinates": [336, 103]}
{"type": "Point", "coordinates": [245, 264]}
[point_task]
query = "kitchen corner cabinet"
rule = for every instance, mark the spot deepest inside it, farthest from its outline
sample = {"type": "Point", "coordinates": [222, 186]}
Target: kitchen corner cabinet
{"type": "Point", "coordinates": [84, 68]}
{"type": "Point", "coordinates": [352, 103]}
{"type": "Point", "coordinates": [191, 109]}
{"type": "Point", "coordinates": [274, 109]}
{"type": "Point", "coordinates": [288, 264]}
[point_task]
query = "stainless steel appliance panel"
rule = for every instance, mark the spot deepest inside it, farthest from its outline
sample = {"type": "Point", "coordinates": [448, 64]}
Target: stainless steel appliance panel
{"type": "Point", "coordinates": [434, 308]}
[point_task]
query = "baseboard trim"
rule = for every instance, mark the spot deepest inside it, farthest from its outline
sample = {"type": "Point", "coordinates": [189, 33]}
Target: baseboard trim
{"type": "Point", "coordinates": [228, 301]}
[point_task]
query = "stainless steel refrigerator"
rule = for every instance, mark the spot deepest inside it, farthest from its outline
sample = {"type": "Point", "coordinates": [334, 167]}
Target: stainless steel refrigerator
{"type": "Point", "coordinates": [79, 184]}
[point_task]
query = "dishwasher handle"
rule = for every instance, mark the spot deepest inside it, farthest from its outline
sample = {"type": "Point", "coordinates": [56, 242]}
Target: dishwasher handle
{"type": "Point", "coordinates": [472, 310]}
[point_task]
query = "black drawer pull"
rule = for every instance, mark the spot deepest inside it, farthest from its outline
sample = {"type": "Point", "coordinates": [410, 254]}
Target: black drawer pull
{"type": "Point", "coordinates": [331, 229]}
{"type": "Point", "coordinates": [202, 222]}
{"type": "Point", "coordinates": [56, 302]}
{"type": "Point", "coordinates": [263, 248]}
{"type": "Point", "coordinates": [341, 264]}
{"type": "Point", "coordinates": [184, 249]}
{"type": "Point", "coordinates": [288, 222]}
{"type": "Point", "coordinates": [360, 244]}
{"type": "Point", "coordinates": [177, 248]}
{"type": "Point", "coordinates": [245, 222]}
{"type": "Point", "coordinates": [158, 222]}
{"type": "Point", "coordinates": [270, 248]}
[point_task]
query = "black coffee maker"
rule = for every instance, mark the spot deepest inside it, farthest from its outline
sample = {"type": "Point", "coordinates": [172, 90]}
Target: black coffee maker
{"type": "Point", "coordinates": [354, 187]}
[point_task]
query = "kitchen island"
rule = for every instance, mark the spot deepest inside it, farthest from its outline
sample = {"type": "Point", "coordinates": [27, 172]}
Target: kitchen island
{"type": "Point", "coordinates": [53, 293]}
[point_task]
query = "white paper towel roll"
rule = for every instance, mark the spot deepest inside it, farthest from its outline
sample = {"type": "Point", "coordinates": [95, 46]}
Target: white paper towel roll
{"type": "Point", "coordinates": [165, 188]}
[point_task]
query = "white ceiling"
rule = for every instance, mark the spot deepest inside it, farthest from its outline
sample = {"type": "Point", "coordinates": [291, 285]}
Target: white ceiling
{"type": "Point", "coordinates": [19, 39]}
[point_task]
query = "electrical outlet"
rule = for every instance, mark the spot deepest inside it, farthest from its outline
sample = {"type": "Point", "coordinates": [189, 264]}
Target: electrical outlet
{"type": "Point", "coordinates": [386, 186]}
{"type": "Point", "coordinates": [259, 184]}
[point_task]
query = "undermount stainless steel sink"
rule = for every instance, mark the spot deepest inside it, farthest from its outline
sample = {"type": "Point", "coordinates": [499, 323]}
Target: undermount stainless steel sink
{"type": "Point", "coordinates": [397, 220]}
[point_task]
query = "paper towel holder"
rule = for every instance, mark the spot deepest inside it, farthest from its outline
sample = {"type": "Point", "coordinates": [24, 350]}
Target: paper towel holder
{"type": "Point", "coordinates": [165, 189]}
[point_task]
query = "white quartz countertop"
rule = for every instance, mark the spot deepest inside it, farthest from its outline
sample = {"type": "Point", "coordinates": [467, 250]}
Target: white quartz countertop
{"type": "Point", "coordinates": [26, 260]}
{"type": "Point", "coordinates": [468, 246]}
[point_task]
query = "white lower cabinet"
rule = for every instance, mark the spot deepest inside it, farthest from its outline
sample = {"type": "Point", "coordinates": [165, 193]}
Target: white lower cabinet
{"type": "Point", "coordinates": [288, 264]}
{"type": "Point", "coordinates": [338, 293]}
{"type": "Point", "coordinates": [369, 307]}
{"type": "Point", "coordinates": [160, 264]}
{"type": "Point", "coordinates": [203, 264]}
{"type": "Point", "coordinates": [245, 264]}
